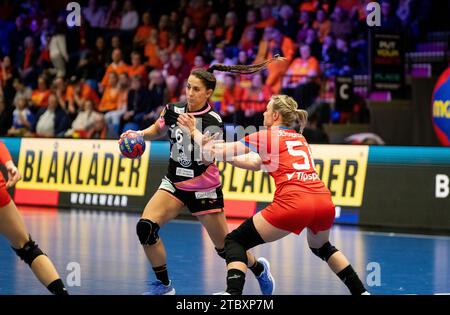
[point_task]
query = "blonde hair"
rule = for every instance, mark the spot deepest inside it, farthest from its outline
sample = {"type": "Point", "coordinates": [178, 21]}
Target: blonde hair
{"type": "Point", "coordinates": [288, 109]}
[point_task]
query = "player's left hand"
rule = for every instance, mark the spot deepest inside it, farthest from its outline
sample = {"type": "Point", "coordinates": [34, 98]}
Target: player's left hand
{"type": "Point", "coordinates": [13, 174]}
{"type": "Point", "coordinates": [208, 141]}
{"type": "Point", "coordinates": [187, 123]}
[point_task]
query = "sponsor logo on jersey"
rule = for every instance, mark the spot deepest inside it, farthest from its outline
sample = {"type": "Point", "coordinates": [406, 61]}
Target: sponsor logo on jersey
{"type": "Point", "coordinates": [206, 194]}
{"type": "Point", "coordinates": [179, 110]}
{"type": "Point", "coordinates": [184, 172]}
{"type": "Point", "coordinates": [301, 176]}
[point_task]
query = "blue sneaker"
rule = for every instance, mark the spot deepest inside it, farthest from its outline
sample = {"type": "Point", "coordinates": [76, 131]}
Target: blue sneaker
{"type": "Point", "coordinates": [265, 279]}
{"type": "Point", "coordinates": [158, 288]}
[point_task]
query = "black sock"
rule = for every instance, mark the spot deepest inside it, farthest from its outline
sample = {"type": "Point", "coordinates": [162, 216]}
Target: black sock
{"type": "Point", "coordinates": [57, 288]}
{"type": "Point", "coordinates": [161, 274]}
{"type": "Point", "coordinates": [235, 281]}
{"type": "Point", "coordinates": [351, 280]}
{"type": "Point", "coordinates": [257, 268]}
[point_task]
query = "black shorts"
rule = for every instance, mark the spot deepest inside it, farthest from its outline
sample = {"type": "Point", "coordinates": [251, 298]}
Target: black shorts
{"type": "Point", "coordinates": [198, 203]}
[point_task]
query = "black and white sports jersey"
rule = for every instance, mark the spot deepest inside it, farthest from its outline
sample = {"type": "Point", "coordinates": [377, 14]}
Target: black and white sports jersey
{"type": "Point", "coordinates": [185, 164]}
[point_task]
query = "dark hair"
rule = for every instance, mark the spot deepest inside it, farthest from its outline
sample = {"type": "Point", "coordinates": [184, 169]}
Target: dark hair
{"type": "Point", "coordinates": [209, 80]}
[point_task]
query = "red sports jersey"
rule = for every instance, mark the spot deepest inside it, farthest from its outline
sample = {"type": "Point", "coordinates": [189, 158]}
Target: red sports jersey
{"type": "Point", "coordinates": [301, 198]}
{"type": "Point", "coordinates": [4, 154]}
{"type": "Point", "coordinates": [4, 157]}
{"type": "Point", "coordinates": [287, 157]}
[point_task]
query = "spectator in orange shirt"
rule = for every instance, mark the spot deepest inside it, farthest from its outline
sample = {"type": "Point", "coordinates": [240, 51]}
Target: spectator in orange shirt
{"type": "Point", "coordinates": [230, 108]}
{"type": "Point", "coordinates": [151, 50]}
{"type": "Point", "coordinates": [39, 96]}
{"type": "Point", "coordinates": [322, 25]}
{"type": "Point", "coordinates": [143, 31]}
{"type": "Point", "coordinates": [274, 43]}
{"type": "Point", "coordinates": [111, 97]}
{"type": "Point", "coordinates": [77, 93]}
{"type": "Point", "coordinates": [301, 78]}
{"type": "Point", "coordinates": [254, 101]}
{"type": "Point", "coordinates": [302, 70]}
{"type": "Point", "coordinates": [163, 27]}
{"type": "Point", "coordinates": [136, 67]}
{"type": "Point", "coordinates": [118, 66]}
{"type": "Point", "coordinates": [112, 117]}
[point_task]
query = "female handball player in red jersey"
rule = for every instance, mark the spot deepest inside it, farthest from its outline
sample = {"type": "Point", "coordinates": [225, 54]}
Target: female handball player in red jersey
{"type": "Point", "coordinates": [301, 199]}
{"type": "Point", "coordinates": [13, 228]}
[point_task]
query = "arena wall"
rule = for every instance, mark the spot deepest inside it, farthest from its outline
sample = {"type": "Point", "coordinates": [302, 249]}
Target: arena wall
{"type": "Point", "coordinates": [395, 187]}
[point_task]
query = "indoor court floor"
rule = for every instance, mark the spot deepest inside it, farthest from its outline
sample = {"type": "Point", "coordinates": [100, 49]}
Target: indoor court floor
{"type": "Point", "coordinates": [98, 253]}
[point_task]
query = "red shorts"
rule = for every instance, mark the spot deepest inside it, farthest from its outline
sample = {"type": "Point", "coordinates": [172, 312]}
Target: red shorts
{"type": "Point", "coordinates": [293, 211]}
{"type": "Point", "coordinates": [5, 198]}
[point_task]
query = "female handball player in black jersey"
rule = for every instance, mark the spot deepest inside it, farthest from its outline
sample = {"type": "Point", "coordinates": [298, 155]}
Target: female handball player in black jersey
{"type": "Point", "coordinates": [191, 181]}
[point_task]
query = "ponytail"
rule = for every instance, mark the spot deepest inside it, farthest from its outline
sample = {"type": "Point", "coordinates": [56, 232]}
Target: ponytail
{"type": "Point", "coordinates": [208, 79]}
{"type": "Point", "coordinates": [302, 118]}
{"type": "Point", "coordinates": [245, 69]}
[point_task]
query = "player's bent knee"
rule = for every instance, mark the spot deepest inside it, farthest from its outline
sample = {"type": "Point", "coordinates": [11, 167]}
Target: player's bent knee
{"type": "Point", "coordinates": [147, 232]}
{"type": "Point", "coordinates": [325, 252]}
{"type": "Point", "coordinates": [29, 252]}
{"type": "Point", "coordinates": [221, 252]}
{"type": "Point", "coordinates": [234, 250]}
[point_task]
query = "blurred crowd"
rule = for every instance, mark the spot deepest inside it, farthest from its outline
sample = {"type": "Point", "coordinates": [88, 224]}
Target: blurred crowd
{"type": "Point", "coordinates": [128, 59]}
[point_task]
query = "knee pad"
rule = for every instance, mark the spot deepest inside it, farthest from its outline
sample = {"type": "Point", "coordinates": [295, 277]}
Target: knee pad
{"type": "Point", "coordinates": [244, 237]}
{"type": "Point", "coordinates": [221, 252]}
{"type": "Point", "coordinates": [29, 252]}
{"type": "Point", "coordinates": [325, 251]}
{"type": "Point", "coordinates": [147, 232]}
{"type": "Point", "coordinates": [234, 251]}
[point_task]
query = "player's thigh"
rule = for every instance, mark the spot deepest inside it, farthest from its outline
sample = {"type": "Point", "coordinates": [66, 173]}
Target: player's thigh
{"type": "Point", "coordinates": [267, 231]}
{"type": "Point", "coordinates": [216, 226]}
{"type": "Point", "coordinates": [12, 225]}
{"type": "Point", "coordinates": [162, 207]}
{"type": "Point", "coordinates": [316, 240]}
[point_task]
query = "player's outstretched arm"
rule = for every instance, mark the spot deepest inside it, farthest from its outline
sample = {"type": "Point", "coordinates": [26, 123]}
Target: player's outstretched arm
{"type": "Point", "coordinates": [153, 132]}
{"type": "Point", "coordinates": [250, 161]}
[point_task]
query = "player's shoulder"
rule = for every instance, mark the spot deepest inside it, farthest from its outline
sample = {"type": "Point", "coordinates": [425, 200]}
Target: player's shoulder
{"type": "Point", "coordinates": [177, 107]}
{"type": "Point", "coordinates": [213, 115]}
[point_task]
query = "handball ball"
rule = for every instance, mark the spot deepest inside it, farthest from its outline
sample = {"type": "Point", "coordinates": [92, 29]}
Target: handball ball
{"type": "Point", "coordinates": [132, 144]}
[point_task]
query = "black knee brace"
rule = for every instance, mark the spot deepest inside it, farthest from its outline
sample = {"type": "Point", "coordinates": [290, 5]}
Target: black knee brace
{"type": "Point", "coordinates": [29, 251]}
{"type": "Point", "coordinates": [240, 240]}
{"type": "Point", "coordinates": [221, 252]}
{"type": "Point", "coordinates": [147, 232]}
{"type": "Point", "coordinates": [325, 251]}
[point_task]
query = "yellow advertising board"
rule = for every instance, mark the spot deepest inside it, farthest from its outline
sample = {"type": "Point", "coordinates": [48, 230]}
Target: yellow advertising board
{"type": "Point", "coordinates": [89, 166]}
